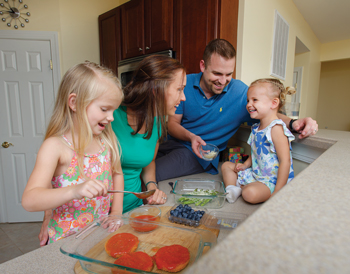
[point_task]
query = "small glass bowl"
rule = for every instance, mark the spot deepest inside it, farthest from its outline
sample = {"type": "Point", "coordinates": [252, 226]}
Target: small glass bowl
{"type": "Point", "coordinates": [209, 152]}
{"type": "Point", "coordinates": [144, 213]}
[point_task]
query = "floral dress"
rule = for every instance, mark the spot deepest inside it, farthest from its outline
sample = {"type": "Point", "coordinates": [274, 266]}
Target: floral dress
{"type": "Point", "coordinates": [264, 157]}
{"type": "Point", "coordinates": [74, 215]}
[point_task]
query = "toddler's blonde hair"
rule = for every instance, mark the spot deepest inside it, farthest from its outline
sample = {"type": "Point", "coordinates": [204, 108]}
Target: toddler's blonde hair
{"type": "Point", "coordinates": [86, 80]}
{"type": "Point", "coordinates": [277, 89]}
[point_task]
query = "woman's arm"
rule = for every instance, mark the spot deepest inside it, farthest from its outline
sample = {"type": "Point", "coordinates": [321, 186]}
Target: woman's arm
{"type": "Point", "coordinates": [148, 174]}
{"type": "Point", "coordinates": [281, 144]}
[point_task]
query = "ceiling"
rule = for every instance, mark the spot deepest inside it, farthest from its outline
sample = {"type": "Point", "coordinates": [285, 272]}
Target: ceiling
{"type": "Point", "coordinates": [329, 19]}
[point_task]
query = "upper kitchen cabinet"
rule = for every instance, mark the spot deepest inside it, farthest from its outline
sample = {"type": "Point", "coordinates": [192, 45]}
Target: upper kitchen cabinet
{"type": "Point", "coordinates": [109, 35]}
{"type": "Point", "coordinates": [146, 26]}
{"type": "Point", "coordinates": [197, 22]}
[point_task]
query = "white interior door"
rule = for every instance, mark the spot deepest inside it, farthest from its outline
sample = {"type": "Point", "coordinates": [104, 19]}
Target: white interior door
{"type": "Point", "coordinates": [26, 101]}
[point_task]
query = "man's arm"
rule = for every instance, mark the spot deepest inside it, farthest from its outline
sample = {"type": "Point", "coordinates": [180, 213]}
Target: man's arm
{"type": "Point", "coordinates": [305, 126]}
{"type": "Point", "coordinates": [176, 130]}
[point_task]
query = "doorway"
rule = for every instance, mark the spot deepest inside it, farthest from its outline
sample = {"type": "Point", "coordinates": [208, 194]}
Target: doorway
{"type": "Point", "coordinates": [29, 79]}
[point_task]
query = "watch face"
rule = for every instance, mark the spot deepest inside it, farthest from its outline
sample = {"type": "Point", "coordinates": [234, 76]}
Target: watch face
{"type": "Point", "coordinates": [14, 13]}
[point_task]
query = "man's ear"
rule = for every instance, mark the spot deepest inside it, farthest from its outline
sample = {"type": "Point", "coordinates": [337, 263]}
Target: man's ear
{"type": "Point", "coordinates": [72, 102]}
{"type": "Point", "coordinates": [202, 65]}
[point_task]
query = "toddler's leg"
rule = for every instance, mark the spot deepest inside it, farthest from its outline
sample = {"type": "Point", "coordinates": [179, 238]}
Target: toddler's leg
{"type": "Point", "coordinates": [230, 181]}
{"type": "Point", "coordinates": [256, 192]}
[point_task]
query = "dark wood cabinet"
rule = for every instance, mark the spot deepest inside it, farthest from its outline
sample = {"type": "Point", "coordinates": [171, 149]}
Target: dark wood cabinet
{"type": "Point", "coordinates": [147, 27]}
{"type": "Point", "coordinates": [109, 35]}
{"type": "Point", "coordinates": [141, 27]}
{"type": "Point", "coordinates": [197, 22]}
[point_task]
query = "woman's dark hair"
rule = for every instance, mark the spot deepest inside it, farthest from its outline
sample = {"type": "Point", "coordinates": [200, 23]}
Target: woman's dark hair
{"type": "Point", "coordinates": [145, 93]}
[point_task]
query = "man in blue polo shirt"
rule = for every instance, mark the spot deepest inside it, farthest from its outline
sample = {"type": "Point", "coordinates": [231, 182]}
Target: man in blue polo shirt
{"type": "Point", "coordinates": [214, 109]}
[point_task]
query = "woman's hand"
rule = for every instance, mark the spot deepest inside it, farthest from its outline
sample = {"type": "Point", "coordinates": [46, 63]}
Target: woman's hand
{"type": "Point", "coordinates": [158, 198]}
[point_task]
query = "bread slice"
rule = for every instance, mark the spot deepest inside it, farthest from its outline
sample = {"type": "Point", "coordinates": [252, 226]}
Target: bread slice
{"type": "Point", "coordinates": [139, 260]}
{"type": "Point", "coordinates": [172, 258]}
{"type": "Point", "coordinates": [120, 244]}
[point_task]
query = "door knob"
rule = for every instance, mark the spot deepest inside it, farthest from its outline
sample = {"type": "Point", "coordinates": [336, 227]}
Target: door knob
{"type": "Point", "coordinates": [147, 48]}
{"type": "Point", "coordinates": [6, 144]}
{"type": "Point", "coordinates": [140, 49]}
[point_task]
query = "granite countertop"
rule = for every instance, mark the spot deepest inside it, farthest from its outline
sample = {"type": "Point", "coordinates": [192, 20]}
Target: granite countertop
{"type": "Point", "coordinates": [303, 229]}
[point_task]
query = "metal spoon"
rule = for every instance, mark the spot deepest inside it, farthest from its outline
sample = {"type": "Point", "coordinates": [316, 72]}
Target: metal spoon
{"type": "Point", "coordinates": [172, 187]}
{"type": "Point", "coordinates": [140, 195]}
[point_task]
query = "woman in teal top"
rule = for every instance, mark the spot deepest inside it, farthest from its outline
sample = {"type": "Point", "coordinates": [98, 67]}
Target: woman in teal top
{"type": "Point", "coordinates": [154, 92]}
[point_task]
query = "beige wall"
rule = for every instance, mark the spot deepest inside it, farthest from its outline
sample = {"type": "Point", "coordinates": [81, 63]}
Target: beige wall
{"type": "Point", "coordinates": [334, 96]}
{"type": "Point", "coordinates": [254, 48]}
{"type": "Point", "coordinates": [76, 23]}
{"type": "Point", "coordinates": [335, 50]}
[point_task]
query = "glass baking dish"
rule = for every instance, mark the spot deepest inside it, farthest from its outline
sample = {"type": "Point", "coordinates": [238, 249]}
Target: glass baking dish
{"type": "Point", "coordinates": [88, 245]}
{"type": "Point", "coordinates": [183, 188]}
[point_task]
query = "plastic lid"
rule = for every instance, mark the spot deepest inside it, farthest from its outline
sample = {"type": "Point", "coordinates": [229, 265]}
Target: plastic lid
{"type": "Point", "coordinates": [223, 220]}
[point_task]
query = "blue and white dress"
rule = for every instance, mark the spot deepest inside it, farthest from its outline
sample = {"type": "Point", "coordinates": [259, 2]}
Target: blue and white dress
{"type": "Point", "coordinates": [264, 157]}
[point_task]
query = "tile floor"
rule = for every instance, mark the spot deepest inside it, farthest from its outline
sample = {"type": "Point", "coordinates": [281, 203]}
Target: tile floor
{"type": "Point", "coordinates": [17, 239]}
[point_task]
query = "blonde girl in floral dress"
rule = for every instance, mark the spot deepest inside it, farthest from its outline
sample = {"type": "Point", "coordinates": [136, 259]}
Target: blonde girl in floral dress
{"type": "Point", "coordinates": [270, 165]}
{"type": "Point", "coordinates": [79, 159]}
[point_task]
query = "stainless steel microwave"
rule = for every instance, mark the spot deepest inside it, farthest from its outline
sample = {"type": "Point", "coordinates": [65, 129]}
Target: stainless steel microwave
{"type": "Point", "coordinates": [126, 67]}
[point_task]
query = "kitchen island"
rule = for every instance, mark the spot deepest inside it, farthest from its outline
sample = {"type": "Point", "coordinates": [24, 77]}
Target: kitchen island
{"type": "Point", "coordinates": [303, 229]}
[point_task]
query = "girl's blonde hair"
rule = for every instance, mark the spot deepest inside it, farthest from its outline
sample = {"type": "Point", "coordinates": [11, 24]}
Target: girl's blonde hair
{"type": "Point", "coordinates": [277, 88]}
{"type": "Point", "coordinates": [88, 81]}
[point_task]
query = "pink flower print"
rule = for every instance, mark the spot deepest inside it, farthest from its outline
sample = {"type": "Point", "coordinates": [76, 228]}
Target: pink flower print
{"type": "Point", "coordinates": [71, 210]}
{"type": "Point", "coordinates": [93, 160]}
{"type": "Point", "coordinates": [75, 223]}
{"type": "Point", "coordinates": [84, 219]}
{"type": "Point", "coordinates": [52, 232]}
{"type": "Point", "coordinates": [70, 172]}
{"type": "Point", "coordinates": [76, 204]}
{"type": "Point", "coordinates": [65, 225]}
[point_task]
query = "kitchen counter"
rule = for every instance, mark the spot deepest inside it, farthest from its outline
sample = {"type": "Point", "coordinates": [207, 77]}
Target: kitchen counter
{"type": "Point", "coordinates": [303, 229]}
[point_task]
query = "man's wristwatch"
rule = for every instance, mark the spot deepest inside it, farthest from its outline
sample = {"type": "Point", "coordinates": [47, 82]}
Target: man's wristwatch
{"type": "Point", "coordinates": [291, 125]}
{"type": "Point", "coordinates": [153, 182]}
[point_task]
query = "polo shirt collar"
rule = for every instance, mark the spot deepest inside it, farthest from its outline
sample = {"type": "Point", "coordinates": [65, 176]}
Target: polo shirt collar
{"type": "Point", "coordinates": [197, 81]}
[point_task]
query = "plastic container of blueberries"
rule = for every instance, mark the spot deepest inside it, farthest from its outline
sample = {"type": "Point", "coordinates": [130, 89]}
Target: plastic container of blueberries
{"type": "Point", "coordinates": [187, 222]}
{"type": "Point", "coordinates": [184, 187]}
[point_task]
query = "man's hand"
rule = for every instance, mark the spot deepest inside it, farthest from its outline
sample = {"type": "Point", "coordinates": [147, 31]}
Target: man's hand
{"type": "Point", "coordinates": [306, 127]}
{"type": "Point", "coordinates": [196, 142]}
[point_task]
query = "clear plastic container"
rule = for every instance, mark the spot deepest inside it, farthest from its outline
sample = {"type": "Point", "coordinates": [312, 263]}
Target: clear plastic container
{"type": "Point", "coordinates": [183, 189]}
{"type": "Point", "coordinates": [186, 221]}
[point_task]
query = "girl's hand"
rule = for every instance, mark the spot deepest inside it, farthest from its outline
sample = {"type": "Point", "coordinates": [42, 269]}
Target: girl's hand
{"type": "Point", "coordinates": [44, 233]}
{"type": "Point", "coordinates": [158, 198]}
{"type": "Point", "coordinates": [90, 189]}
{"type": "Point", "coordinates": [111, 222]}
{"type": "Point", "coordinates": [239, 167]}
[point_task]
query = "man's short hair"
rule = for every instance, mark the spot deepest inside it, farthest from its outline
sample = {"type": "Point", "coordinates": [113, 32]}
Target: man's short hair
{"type": "Point", "coordinates": [221, 47]}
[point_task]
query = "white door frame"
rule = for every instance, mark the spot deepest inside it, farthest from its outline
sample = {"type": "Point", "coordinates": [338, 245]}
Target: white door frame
{"type": "Point", "coordinates": [52, 37]}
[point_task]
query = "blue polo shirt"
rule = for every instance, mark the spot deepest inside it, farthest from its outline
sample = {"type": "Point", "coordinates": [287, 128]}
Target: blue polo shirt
{"type": "Point", "coordinates": [216, 119]}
